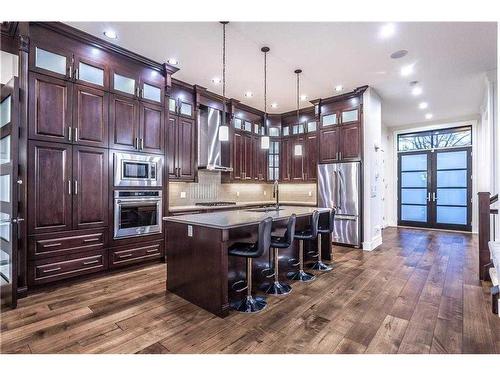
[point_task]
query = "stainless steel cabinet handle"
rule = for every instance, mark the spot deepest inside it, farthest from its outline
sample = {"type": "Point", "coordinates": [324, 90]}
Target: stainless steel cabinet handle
{"type": "Point", "coordinates": [434, 197]}
{"type": "Point", "coordinates": [77, 76]}
{"type": "Point", "coordinates": [69, 187]}
{"type": "Point", "coordinates": [90, 239]}
{"type": "Point", "coordinates": [70, 72]}
{"type": "Point", "coordinates": [70, 130]}
{"type": "Point", "coordinates": [428, 197]}
{"type": "Point", "coordinates": [17, 220]}
{"type": "Point", "coordinates": [124, 256]}
{"type": "Point", "coordinates": [52, 244]}
{"type": "Point", "coordinates": [52, 270]}
{"type": "Point", "coordinates": [152, 250]}
{"type": "Point", "coordinates": [136, 143]}
{"type": "Point", "coordinates": [76, 187]}
{"type": "Point", "coordinates": [90, 262]}
{"type": "Point", "coordinates": [76, 134]}
{"type": "Point", "coordinates": [142, 143]}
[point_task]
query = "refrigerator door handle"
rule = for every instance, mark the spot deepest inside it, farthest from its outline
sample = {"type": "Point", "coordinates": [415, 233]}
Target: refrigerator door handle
{"type": "Point", "coordinates": [339, 189]}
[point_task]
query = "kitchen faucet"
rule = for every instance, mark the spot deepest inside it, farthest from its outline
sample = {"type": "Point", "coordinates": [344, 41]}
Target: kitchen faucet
{"type": "Point", "coordinates": [276, 193]}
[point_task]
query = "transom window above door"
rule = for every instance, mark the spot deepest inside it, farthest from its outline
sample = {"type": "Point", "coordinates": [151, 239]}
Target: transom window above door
{"type": "Point", "coordinates": [442, 138]}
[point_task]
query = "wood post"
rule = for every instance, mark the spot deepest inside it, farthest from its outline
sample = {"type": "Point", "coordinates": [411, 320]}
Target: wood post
{"type": "Point", "coordinates": [484, 233]}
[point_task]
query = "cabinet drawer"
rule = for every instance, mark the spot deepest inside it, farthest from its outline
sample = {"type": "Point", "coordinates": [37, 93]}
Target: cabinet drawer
{"type": "Point", "coordinates": [54, 245]}
{"type": "Point", "coordinates": [135, 254]}
{"type": "Point", "coordinates": [59, 268]}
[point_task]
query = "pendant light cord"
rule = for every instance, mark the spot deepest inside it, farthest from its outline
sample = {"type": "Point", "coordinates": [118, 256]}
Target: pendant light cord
{"type": "Point", "coordinates": [223, 74]}
{"type": "Point", "coordinates": [265, 89]}
{"type": "Point", "coordinates": [298, 90]}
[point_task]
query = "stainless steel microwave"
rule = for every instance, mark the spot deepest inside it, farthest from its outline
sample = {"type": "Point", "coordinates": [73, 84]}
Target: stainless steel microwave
{"type": "Point", "coordinates": [143, 170]}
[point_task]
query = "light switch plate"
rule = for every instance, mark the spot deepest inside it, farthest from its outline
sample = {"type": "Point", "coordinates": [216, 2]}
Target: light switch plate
{"type": "Point", "coordinates": [190, 231]}
{"type": "Point", "coordinates": [183, 194]}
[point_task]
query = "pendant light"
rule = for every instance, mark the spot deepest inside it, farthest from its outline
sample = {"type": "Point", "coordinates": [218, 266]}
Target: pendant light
{"type": "Point", "coordinates": [297, 150]}
{"type": "Point", "coordinates": [223, 128]}
{"type": "Point", "coordinates": [264, 141]}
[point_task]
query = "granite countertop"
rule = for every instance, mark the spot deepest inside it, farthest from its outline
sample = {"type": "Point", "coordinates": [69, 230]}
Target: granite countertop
{"type": "Point", "coordinates": [193, 207]}
{"type": "Point", "coordinates": [239, 218]}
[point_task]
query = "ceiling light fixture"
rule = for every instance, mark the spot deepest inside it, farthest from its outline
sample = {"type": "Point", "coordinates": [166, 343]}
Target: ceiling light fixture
{"type": "Point", "coordinates": [274, 105]}
{"type": "Point", "coordinates": [339, 88]}
{"type": "Point", "coordinates": [406, 70]}
{"type": "Point", "coordinates": [173, 61]}
{"type": "Point", "coordinates": [387, 30]}
{"type": "Point", "coordinates": [248, 94]}
{"type": "Point", "coordinates": [298, 148]}
{"type": "Point", "coordinates": [223, 128]}
{"type": "Point", "coordinates": [423, 105]}
{"type": "Point", "coordinates": [428, 116]}
{"type": "Point", "coordinates": [399, 54]}
{"type": "Point", "coordinates": [110, 34]}
{"type": "Point", "coordinates": [216, 80]}
{"type": "Point", "coordinates": [264, 141]}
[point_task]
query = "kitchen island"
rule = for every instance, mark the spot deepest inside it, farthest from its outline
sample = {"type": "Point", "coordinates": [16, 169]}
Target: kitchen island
{"type": "Point", "coordinates": [198, 266]}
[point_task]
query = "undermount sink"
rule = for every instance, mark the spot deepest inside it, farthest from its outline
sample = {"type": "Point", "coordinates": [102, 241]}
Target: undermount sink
{"type": "Point", "coordinates": [264, 209]}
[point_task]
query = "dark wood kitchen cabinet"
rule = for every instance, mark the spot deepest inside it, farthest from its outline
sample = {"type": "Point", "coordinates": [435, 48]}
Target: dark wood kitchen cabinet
{"type": "Point", "coordinates": [151, 129]}
{"type": "Point", "coordinates": [349, 141]}
{"type": "Point", "coordinates": [181, 148]}
{"type": "Point", "coordinates": [248, 156]}
{"type": "Point", "coordinates": [90, 116]}
{"type": "Point", "coordinates": [329, 145]}
{"type": "Point", "coordinates": [238, 156]}
{"type": "Point", "coordinates": [298, 159]}
{"type": "Point", "coordinates": [261, 161]}
{"type": "Point", "coordinates": [68, 187]}
{"type": "Point", "coordinates": [286, 159]}
{"type": "Point", "coordinates": [311, 157]}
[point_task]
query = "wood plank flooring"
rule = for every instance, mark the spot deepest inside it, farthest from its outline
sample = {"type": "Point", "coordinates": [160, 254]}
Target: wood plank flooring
{"type": "Point", "coordinates": [418, 293]}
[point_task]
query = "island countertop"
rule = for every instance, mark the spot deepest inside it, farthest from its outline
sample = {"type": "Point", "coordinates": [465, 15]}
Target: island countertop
{"type": "Point", "coordinates": [239, 218]}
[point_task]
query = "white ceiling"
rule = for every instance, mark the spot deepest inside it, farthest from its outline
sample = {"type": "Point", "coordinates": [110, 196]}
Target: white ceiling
{"type": "Point", "coordinates": [450, 59]}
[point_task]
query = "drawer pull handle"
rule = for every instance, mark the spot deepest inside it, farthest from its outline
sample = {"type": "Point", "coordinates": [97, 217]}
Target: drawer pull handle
{"type": "Point", "coordinates": [152, 251]}
{"type": "Point", "coordinates": [124, 256]}
{"type": "Point", "coordinates": [90, 262]}
{"type": "Point", "coordinates": [52, 244]}
{"type": "Point", "coordinates": [91, 239]}
{"type": "Point", "coordinates": [52, 270]}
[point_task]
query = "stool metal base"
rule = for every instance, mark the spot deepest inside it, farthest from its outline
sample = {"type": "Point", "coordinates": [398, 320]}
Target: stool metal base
{"type": "Point", "coordinates": [250, 304]}
{"type": "Point", "coordinates": [320, 266]}
{"type": "Point", "coordinates": [301, 276]}
{"type": "Point", "coordinates": [278, 289]}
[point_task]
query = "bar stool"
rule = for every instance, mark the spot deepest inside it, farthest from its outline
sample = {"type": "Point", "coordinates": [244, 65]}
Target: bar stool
{"type": "Point", "coordinates": [305, 235]}
{"type": "Point", "coordinates": [249, 251]}
{"type": "Point", "coordinates": [278, 288]}
{"type": "Point", "coordinates": [324, 229]}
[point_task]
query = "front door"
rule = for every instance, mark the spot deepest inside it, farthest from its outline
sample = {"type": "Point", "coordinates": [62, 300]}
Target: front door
{"type": "Point", "coordinates": [8, 191]}
{"type": "Point", "coordinates": [434, 188]}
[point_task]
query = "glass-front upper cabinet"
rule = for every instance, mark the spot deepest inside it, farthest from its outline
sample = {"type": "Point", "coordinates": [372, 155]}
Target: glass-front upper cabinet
{"type": "Point", "coordinates": [186, 109]}
{"type": "Point", "coordinates": [351, 115]}
{"type": "Point", "coordinates": [151, 93]}
{"type": "Point", "coordinates": [89, 73]}
{"type": "Point", "coordinates": [52, 62]}
{"type": "Point", "coordinates": [237, 123]}
{"type": "Point", "coordinates": [329, 120]}
{"type": "Point", "coordinates": [311, 126]}
{"type": "Point", "coordinates": [286, 131]}
{"type": "Point", "coordinates": [247, 126]}
{"type": "Point", "coordinates": [124, 84]}
{"type": "Point", "coordinates": [274, 132]}
{"type": "Point", "coordinates": [172, 105]}
{"type": "Point", "coordinates": [256, 128]}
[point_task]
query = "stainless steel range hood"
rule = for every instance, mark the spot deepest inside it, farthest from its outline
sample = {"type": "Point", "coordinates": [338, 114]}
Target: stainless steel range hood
{"type": "Point", "coordinates": [209, 146]}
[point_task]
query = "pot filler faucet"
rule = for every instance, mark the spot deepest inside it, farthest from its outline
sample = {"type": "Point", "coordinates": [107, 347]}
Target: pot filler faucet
{"type": "Point", "coordinates": [276, 193]}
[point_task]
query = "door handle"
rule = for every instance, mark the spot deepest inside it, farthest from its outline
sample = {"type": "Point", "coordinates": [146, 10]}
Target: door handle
{"type": "Point", "coordinates": [142, 143]}
{"type": "Point", "coordinates": [17, 220]}
{"type": "Point", "coordinates": [70, 130]}
{"type": "Point", "coordinates": [76, 134]}
{"type": "Point", "coordinates": [76, 187]}
{"type": "Point", "coordinates": [428, 197]}
{"type": "Point", "coordinates": [434, 199]}
{"type": "Point", "coordinates": [69, 187]}
{"type": "Point", "coordinates": [136, 143]}
{"type": "Point", "coordinates": [77, 75]}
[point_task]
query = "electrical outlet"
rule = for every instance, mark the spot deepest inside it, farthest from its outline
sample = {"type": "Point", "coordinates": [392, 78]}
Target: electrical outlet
{"type": "Point", "coordinates": [183, 194]}
{"type": "Point", "coordinates": [190, 231]}
{"type": "Point", "coordinates": [265, 192]}
{"type": "Point", "coordinates": [310, 194]}
{"type": "Point", "coordinates": [237, 193]}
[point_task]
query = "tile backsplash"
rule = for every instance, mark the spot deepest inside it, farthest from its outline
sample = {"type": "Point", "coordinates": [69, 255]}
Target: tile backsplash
{"type": "Point", "coordinates": [209, 188]}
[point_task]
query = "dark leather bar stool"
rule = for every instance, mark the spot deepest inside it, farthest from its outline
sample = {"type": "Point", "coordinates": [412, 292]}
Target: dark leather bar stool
{"type": "Point", "coordinates": [324, 229]}
{"type": "Point", "coordinates": [278, 288]}
{"type": "Point", "coordinates": [249, 251]}
{"type": "Point", "coordinates": [309, 234]}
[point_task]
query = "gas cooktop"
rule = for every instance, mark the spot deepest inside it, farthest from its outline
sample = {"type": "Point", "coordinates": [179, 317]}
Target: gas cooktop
{"type": "Point", "coordinates": [213, 204]}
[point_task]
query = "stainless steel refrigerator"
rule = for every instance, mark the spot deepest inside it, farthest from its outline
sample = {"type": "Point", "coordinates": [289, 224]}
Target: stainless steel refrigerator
{"type": "Point", "coordinates": [339, 187]}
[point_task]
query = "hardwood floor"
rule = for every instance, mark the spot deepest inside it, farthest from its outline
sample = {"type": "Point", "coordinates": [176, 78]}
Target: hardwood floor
{"type": "Point", "coordinates": [419, 293]}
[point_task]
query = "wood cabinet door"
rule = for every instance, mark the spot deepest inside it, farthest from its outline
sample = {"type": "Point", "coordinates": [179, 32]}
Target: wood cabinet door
{"type": "Point", "coordinates": [172, 139]}
{"type": "Point", "coordinates": [311, 157]}
{"type": "Point", "coordinates": [298, 167]}
{"type": "Point", "coordinates": [329, 145]}
{"type": "Point", "coordinates": [90, 116]}
{"type": "Point", "coordinates": [50, 102]}
{"type": "Point", "coordinates": [124, 123]}
{"type": "Point", "coordinates": [50, 189]}
{"type": "Point", "coordinates": [262, 162]}
{"type": "Point", "coordinates": [186, 149]}
{"type": "Point", "coordinates": [238, 156]}
{"type": "Point", "coordinates": [285, 160]}
{"type": "Point", "coordinates": [90, 187]}
{"type": "Point", "coordinates": [248, 157]}
{"type": "Point", "coordinates": [152, 129]}
{"type": "Point", "coordinates": [350, 142]}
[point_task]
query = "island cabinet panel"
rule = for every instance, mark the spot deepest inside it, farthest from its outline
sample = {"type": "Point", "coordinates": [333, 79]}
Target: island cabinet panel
{"type": "Point", "coordinates": [350, 139]}
{"type": "Point", "coordinates": [152, 128]}
{"type": "Point", "coordinates": [50, 103]}
{"type": "Point", "coordinates": [90, 116]}
{"type": "Point", "coordinates": [124, 123]}
{"type": "Point", "coordinates": [49, 187]}
{"type": "Point", "coordinates": [329, 145]}
{"type": "Point", "coordinates": [90, 185]}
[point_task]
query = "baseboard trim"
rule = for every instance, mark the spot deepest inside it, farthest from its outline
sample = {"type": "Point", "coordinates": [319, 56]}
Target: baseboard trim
{"type": "Point", "coordinates": [373, 244]}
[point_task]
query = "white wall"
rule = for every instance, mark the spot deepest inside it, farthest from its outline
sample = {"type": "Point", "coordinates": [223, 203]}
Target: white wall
{"type": "Point", "coordinates": [372, 170]}
{"type": "Point", "coordinates": [8, 66]}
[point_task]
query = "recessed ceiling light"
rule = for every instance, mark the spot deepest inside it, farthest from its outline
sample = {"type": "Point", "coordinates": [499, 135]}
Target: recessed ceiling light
{"type": "Point", "coordinates": [423, 105]}
{"type": "Point", "coordinates": [303, 97]}
{"type": "Point", "coordinates": [274, 105]}
{"type": "Point", "coordinates": [172, 61]}
{"type": "Point", "coordinates": [428, 116]}
{"type": "Point", "coordinates": [249, 94]}
{"type": "Point", "coordinates": [216, 80]}
{"type": "Point", "coordinates": [110, 34]}
{"type": "Point", "coordinates": [387, 30]}
{"type": "Point", "coordinates": [338, 88]}
{"type": "Point", "coordinates": [399, 54]}
{"type": "Point", "coordinates": [406, 70]}
{"type": "Point", "coordinates": [416, 91]}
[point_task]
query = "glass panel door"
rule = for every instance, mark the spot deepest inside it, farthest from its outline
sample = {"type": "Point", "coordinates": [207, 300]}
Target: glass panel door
{"type": "Point", "coordinates": [414, 188]}
{"type": "Point", "coordinates": [8, 192]}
